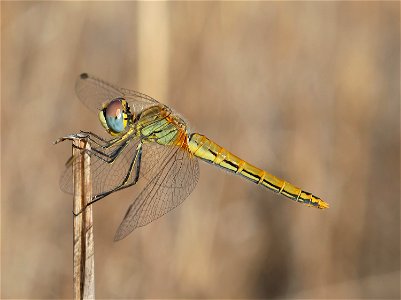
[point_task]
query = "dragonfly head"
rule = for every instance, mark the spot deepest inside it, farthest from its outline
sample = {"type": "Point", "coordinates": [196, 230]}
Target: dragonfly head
{"type": "Point", "coordinates": [115, 116]}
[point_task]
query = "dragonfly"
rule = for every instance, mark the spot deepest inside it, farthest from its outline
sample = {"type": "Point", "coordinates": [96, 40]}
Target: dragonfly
{"type": "Point", "coordinates": [148, 139]}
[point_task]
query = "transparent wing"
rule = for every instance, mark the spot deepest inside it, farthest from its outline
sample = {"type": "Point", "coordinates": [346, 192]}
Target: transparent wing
{"type": "Point", "coordinates": [105, 176]}
{"type": "Point", "coordinates": [93, 92]}
{"type": "Point", "coordinates": [172, 175]}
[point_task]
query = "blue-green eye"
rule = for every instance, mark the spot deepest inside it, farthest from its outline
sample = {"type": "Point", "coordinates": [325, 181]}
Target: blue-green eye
{"type": "Point", "coordinates": [114, 116]}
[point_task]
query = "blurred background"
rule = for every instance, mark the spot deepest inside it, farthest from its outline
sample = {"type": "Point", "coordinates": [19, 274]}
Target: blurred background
{"type": "Point", "coordinates": [308, 91]}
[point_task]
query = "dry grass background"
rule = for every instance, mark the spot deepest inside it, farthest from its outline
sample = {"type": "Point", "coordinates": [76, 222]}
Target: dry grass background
{"type": "Point", "coordinates": [306, 90]}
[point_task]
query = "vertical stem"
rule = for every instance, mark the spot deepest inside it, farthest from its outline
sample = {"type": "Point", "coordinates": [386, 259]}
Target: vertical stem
{"type": "Point", "coordinates": [84, 276]}
{"type": "Point", "coordinates": [153, 64]}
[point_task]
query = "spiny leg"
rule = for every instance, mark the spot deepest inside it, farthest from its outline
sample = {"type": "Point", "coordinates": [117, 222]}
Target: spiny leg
{"type": "Point", "coordinates": [108, 158]}
{"type": "Point", "coordinates": [98, 140]}
{"type": "Point", "coordinates": [136, 161]}
{"type": "Point", "coordinates": [124, 184]}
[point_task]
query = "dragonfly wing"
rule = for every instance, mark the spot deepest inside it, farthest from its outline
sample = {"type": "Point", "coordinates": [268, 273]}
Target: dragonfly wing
{"type": "Point", "coordinates": [93, 92]}
{"type": "Point", "coordinates": [154, 156]}
{"type": "Point", "coordinates": [105, 176]}
{"type": "Point", "coordinates": [177, 176]}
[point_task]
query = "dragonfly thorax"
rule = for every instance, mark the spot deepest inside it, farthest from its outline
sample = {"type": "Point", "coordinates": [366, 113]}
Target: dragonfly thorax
{"type": "Point", "coordinates": [160, 125]}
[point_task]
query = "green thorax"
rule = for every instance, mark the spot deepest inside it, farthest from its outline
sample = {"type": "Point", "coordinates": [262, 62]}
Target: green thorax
{"type": "Point", "coordinates": [158, 124]}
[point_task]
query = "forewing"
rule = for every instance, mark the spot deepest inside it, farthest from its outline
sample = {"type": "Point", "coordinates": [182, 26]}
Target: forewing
{"type": "Point", "coordinates": [105, 176]}
{"type": "Point", "coordinates": [94, 92]}
{"type": "Point", "coordinates": [176, 177]}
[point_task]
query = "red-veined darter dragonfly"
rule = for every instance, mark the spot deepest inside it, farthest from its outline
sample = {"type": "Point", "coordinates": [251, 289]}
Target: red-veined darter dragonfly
{"type": "Point", "coordinates": [149, 140]}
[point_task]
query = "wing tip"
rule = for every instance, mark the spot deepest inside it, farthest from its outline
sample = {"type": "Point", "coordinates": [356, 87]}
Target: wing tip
{"type": "Point", "coordinates": [122, 232]}
{"type": "Point", "coordinates": [118, 238]}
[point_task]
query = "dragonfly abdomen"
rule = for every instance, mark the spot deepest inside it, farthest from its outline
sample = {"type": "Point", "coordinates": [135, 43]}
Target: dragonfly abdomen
{"type": "Point", "coordinates": [207, 150]}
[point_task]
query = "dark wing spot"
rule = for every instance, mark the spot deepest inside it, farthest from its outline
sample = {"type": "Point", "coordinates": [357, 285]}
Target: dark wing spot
{"type": "Point", "coordinates": [84, 76]}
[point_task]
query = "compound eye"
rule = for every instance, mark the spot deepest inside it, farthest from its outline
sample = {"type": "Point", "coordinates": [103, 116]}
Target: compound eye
{"type": "Point", "coordinates": [114, 109]}
{"type": "Point", "coordinates": [114, 116]}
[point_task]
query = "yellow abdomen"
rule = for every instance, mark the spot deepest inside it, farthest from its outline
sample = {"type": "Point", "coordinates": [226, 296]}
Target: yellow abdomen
{"type": "Point", "coordinates": [207, 150]}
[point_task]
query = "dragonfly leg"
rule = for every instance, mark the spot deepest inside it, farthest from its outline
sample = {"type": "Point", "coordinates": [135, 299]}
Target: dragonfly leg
{"type": "Point", "coordinates": [108, 158]}
{"type": "Point", "coordinates": [135, 166]}
{"type": "Point", "coordinates": [98, 140]}
{"type": "Point", "coordinates": [90, 133]}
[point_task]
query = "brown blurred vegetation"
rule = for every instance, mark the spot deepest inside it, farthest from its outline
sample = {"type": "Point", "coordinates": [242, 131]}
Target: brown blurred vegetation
{"type": "Point", "coordinates": [306, 90]}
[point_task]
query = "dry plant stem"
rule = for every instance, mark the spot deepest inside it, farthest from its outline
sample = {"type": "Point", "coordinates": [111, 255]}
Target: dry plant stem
{"type": "Point", "coordinates": [84, 263]}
